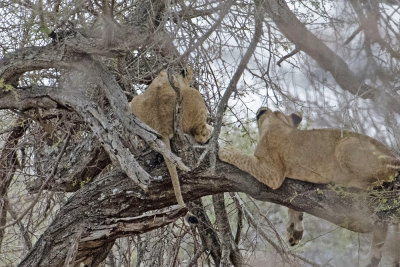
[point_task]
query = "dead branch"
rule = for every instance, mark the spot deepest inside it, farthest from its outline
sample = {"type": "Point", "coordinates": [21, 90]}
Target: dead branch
{"type": "Point", "coordinates": [50, 176]}
{"type": "Point", "coordinates": [8, 166]}
{"type": "Point", "coordinates": [294, 52]}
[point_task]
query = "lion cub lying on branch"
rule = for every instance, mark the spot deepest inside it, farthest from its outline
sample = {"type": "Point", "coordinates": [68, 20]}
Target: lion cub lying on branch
{"type": "Point", "coordinates": [317, 156]}
{"type": "Point", "coordinates": [156, 107]}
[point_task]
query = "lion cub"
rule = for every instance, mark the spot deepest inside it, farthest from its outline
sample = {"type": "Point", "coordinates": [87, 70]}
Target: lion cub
{"type": "Point", "coordinates": [317, 156]}
{"type": "Point", "coordinates": [156, 106]}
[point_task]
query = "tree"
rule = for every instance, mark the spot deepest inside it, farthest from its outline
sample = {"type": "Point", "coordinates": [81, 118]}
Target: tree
{"type": "Point", "coordinates": [69, 68]}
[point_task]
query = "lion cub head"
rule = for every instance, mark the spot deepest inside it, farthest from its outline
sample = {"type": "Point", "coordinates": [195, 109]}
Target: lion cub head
{"type": "Point", "coordinates": [268, 119]}
{"type": "Point", "coordinates": [203, 133]}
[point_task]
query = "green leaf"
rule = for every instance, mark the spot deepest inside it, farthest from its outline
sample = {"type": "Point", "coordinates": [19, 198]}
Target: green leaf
{"type": "Point", "coordinates": [8, 88]}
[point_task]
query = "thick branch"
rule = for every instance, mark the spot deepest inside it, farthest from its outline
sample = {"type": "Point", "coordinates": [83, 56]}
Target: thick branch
{"type": "Point", "coordinates": [207, 233]}
{"type": "Point", "coordinates": [46, 57]}
{"type": "Point", "coordinates": [230, 251]}
{"type": "Point", "coordinates": [306, 41]}
{"type": "Point", "coordinates": [29, 59]}
{"type": "Point", "coordinates": [113, 199]}
{"type": "Point", "coordinates": [120, 107]}
{"type": "Point", "coordinates": [23, 99]}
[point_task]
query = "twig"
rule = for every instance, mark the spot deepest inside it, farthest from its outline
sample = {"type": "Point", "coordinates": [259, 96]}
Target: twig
{"type": "Point", "coordinates": [224, 11]}
{"type": "Point", "coordinates": [178, 105]}
{"type": "Point", "coordinates": [258, 31]}
{"type": "Point", "coordinates": [240, 217]}
{"type": "Point", "coordinates": [196, 256]}
{"type": "Point", "coordinates": [294, 52]}
{"type": "Point", "coordinates": [354, 34]}
{"type": "Point", "coordinates": [51, 175]}
{"type": "Point", "coordinates": [202, 156]}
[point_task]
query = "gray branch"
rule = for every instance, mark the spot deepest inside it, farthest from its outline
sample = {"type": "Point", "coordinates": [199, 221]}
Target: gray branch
{"type": "Point", "coordinates": [114, 206]}
{"type": "Point", "coordinates": [306, 41]}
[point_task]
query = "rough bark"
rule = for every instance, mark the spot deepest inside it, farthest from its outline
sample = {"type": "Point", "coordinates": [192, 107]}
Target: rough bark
{"type": "Point", "coordinates": [114, 206]}
{"type": "Point", "coordinates": [85, 107]}
{"type": "Point", "coordinates": [208, 235]}
{"type": "Point", "coordinates": [88, 158]}
{"type": "Point", "coordinates": [230, 251]}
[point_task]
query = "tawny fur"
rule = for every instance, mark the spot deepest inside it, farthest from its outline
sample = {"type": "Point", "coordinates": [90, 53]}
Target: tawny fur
{"type": "Point", "coordinates": [156, 106]}
{"type": "Point", "coordinates": [294, 227]}
{"type": "Point", "coordinates": [317, 156]}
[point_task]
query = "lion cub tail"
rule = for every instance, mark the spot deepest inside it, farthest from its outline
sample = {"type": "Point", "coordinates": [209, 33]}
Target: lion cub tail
{"type": "Point", "coordinates": [190, 217]}
{"type": "Point", "coordinates": [175, 182]}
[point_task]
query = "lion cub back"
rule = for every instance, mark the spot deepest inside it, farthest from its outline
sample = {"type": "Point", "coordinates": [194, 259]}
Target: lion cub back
{"type": "Point", "coordinates": [324, 155]}
{"type": "Point", "coordinates": [156, 107]}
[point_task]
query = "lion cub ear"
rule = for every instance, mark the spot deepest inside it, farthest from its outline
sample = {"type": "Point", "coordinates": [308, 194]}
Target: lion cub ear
{"type": "Point", "coordinates": [296, 119]}
{"type": "Point", "coordinates": [187, 73]}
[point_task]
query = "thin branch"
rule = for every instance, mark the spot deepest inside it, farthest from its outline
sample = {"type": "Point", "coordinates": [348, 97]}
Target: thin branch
{"type": "Point", "coordinates": [294, 52]}
{"type": "Point", "coordinates": [8, 166]}
{"type": "Point", "coordinates": [239, 219]}
{"type": "Point", "coordinates": [229, 250]}
{"type": "Point", "coordinates": [224, 11]}
{"type": "Point", "coordinates": [208, 234]}
{"type": "Point", "coordinates": [196, 256]}
{"type": "Point", "coordinates": [258, 31]}
{"type": "Point", "coordinates": [353, 35]}
{"type": "Point", "coordinates": [50, 176]}
{"type": "Point", "coordinates": [178, 129]}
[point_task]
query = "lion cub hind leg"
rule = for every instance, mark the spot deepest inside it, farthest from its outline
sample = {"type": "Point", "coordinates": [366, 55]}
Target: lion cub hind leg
{"type": "Point", "coordinates": [261, 169]}
{"type": "Point", "coordinates": [294, 228]}
{"type": "Point", "coordinates": [365, 161]}
{"type": "Point", "coordinates": [378, 240]}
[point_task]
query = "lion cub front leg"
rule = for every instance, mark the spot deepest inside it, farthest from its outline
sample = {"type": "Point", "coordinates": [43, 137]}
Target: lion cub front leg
{"type": "Point", "coordinates": [262, 169]}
